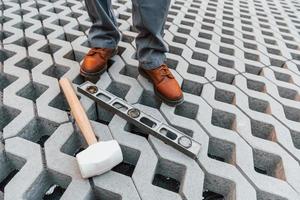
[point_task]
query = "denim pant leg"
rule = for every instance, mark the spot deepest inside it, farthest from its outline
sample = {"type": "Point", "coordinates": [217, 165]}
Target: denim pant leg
{"type": "Point", "coordinates": [104, 32]}
{"type": "Point", "coordinates": [149, 17]}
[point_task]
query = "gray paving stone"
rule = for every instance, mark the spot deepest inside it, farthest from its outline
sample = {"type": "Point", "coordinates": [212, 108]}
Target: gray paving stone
{"type": "Point", "coordinates": [29, 182]}
{"type": "Point", "coordinates": [238, 63]}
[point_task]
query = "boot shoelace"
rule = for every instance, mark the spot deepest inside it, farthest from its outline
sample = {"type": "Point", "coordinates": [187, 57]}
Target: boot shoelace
{"type": "Point", "coordinates": [102, 53]}
{"type": "Point", "coordinates": [164, 71]}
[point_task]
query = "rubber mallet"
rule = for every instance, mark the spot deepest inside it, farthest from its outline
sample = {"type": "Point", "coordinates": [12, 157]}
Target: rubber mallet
{"type": "Point", "coordinates": [99, 157]}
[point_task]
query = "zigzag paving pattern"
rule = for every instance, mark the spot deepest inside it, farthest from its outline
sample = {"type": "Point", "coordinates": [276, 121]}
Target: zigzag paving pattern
{"type": "Point", "coordinates": [238, 62]}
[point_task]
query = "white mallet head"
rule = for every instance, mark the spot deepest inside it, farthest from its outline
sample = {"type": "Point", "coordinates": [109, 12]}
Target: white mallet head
{"type": "Point", "coordinates": [99, 158]}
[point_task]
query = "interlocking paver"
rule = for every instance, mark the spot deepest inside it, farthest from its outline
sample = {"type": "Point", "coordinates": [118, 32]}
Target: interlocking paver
{"type": "Point", "coordinates": [238, 63]}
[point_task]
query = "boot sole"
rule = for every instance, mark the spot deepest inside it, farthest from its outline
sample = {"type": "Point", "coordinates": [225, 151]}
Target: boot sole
{"type": "Point", "coordinates": [167, 101]}
{"type": "Point", "coordinates": [96, 75]}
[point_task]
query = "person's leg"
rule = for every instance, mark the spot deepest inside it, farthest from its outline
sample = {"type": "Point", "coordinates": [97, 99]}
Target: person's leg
{"type": "Point", "coordinates": [103, 38]}
{"type": "Point", "coordinates": [104, 31]}
{"type": "Point", "coordinates": [149, 17]}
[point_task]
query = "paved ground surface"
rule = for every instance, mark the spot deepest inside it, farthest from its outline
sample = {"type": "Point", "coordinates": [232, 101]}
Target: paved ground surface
{"type": "Point", "coordinates": [238, 63]}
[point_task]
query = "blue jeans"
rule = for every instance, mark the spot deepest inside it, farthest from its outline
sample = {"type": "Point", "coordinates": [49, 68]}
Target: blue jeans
{"type": "Point", "coordinates": [149, 17]}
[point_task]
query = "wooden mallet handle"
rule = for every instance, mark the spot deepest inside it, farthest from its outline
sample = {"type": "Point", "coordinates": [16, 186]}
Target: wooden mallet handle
{"type": "Point", "coordinates": [78, 112]}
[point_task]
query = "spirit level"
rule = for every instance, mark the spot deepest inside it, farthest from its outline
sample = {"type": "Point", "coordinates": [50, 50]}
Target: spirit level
{"type": "Point", "coordinates": [146, 123]}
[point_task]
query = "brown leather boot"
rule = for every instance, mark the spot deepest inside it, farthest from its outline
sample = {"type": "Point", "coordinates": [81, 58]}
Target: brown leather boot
{"type": "Point", "coordinates": [165, 85]}
{"type": "Point", "coordinates": [95, 62]}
